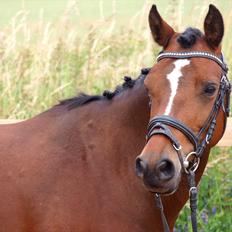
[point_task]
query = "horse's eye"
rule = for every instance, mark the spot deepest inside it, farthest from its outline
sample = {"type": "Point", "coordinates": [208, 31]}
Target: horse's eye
{"type": "Point", "coordinates": [210, 89]}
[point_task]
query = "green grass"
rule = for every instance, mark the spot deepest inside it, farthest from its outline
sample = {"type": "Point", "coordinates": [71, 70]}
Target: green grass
{"type": "Point", "coordinates": [51, 54]}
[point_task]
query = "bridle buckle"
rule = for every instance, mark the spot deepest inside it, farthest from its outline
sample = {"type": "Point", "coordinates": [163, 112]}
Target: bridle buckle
{"type": "Point", "coordinates": [176, 148]}
{"type": "Point", "coordinates": [192, 190]}
{"type": "Point", "coordinates": [207, 138]}
{"type": "Point", "coordinates": [194, 166]}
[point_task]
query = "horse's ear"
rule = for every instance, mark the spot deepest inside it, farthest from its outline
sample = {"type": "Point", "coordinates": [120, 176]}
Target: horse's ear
{"type": "Point", "coordinates": [160, 30]}
{"type": "Point", "coordinates": [214, 27]}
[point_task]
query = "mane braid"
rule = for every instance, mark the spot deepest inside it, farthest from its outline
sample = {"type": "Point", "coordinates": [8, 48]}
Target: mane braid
{"type": "Point", "coordinates": [83, 98]}
{"type": "Point", "coordinates": [128, 83]}
{"type": "Point", "coordinates": [189, 37]}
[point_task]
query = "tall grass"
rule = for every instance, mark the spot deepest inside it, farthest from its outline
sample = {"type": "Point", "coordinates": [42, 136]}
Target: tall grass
{"type": "Point", "coordinates": [43, 62]}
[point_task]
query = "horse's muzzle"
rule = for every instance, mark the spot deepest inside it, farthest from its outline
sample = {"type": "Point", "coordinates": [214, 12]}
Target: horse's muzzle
{"type": "Point", "coordinates": [159, 177]}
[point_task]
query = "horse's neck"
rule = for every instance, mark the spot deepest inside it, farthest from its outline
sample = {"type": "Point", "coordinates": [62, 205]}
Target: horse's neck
{"type": "Point", "coordinates": [118, 126]}
{"type": "Point", "coordinates": [129, 119]}
{"type": "Point", "coordinates": [132, 114]}
{"type": "Point", "coordinates": [103, 129]}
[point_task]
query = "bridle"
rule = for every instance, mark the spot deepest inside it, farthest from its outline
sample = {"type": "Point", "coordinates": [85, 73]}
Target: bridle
{"type": "Point", "coordinates": [160, 125]}
{"type": "Point", "coordinates": [190, 162]}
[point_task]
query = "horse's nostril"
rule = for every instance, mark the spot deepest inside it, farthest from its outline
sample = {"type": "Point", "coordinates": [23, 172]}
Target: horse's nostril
{"type": "Point", "coordinates": [165, 169]}
{"type": "Point", "coordinates": [141, 166]}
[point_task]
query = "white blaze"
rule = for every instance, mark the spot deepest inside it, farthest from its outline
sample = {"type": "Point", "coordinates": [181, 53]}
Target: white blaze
{"type": "Point", "coordinates": [173, 78]}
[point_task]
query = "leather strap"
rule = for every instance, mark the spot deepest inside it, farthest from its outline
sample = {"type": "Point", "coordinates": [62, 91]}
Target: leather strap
{"type": "Point", "coordinates": [194, 54]}
{"type": "Point", "coordinates": [159, 205]}
{"type": "Point", "coordinates": [193, 199]}
{"type": "Point", "coordinates": [170, 121]}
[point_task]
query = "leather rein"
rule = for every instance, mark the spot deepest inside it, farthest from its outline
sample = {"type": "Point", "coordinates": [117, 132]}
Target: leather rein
{"type": "Point", "coordinates": [160, 125]}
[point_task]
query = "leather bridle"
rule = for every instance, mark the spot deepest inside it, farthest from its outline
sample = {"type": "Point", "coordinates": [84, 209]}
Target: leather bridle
{"type": "Point", "coordinates": [160, 125]}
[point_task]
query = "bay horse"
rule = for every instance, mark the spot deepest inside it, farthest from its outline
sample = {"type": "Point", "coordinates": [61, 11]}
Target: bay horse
{"type": "Point", "coordinates": [71, 168]}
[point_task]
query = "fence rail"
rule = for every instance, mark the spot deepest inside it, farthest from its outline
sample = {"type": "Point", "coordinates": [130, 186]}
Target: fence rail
{"type": "Point", "coordinates": [226, 140]}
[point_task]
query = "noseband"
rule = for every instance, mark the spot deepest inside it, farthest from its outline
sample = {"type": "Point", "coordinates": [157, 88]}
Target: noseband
{"type": "Point", "coordinates": [160, 125]}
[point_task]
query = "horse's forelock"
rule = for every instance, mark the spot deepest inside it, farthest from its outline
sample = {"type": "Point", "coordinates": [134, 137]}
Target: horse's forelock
{"type": "Point", "coordinates": [189, 37]}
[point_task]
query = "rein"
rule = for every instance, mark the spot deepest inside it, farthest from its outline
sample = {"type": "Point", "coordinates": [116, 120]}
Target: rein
{"type": "Point", "coordinates": [159, 125]}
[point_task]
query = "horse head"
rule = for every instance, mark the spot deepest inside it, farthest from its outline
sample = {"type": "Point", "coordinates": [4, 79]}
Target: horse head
{"type": "Point", "coordinates": [188, 91]}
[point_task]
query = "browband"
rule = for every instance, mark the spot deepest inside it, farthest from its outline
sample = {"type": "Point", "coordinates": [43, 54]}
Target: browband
{"type": "Point", "coordinates": [194, 54]}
